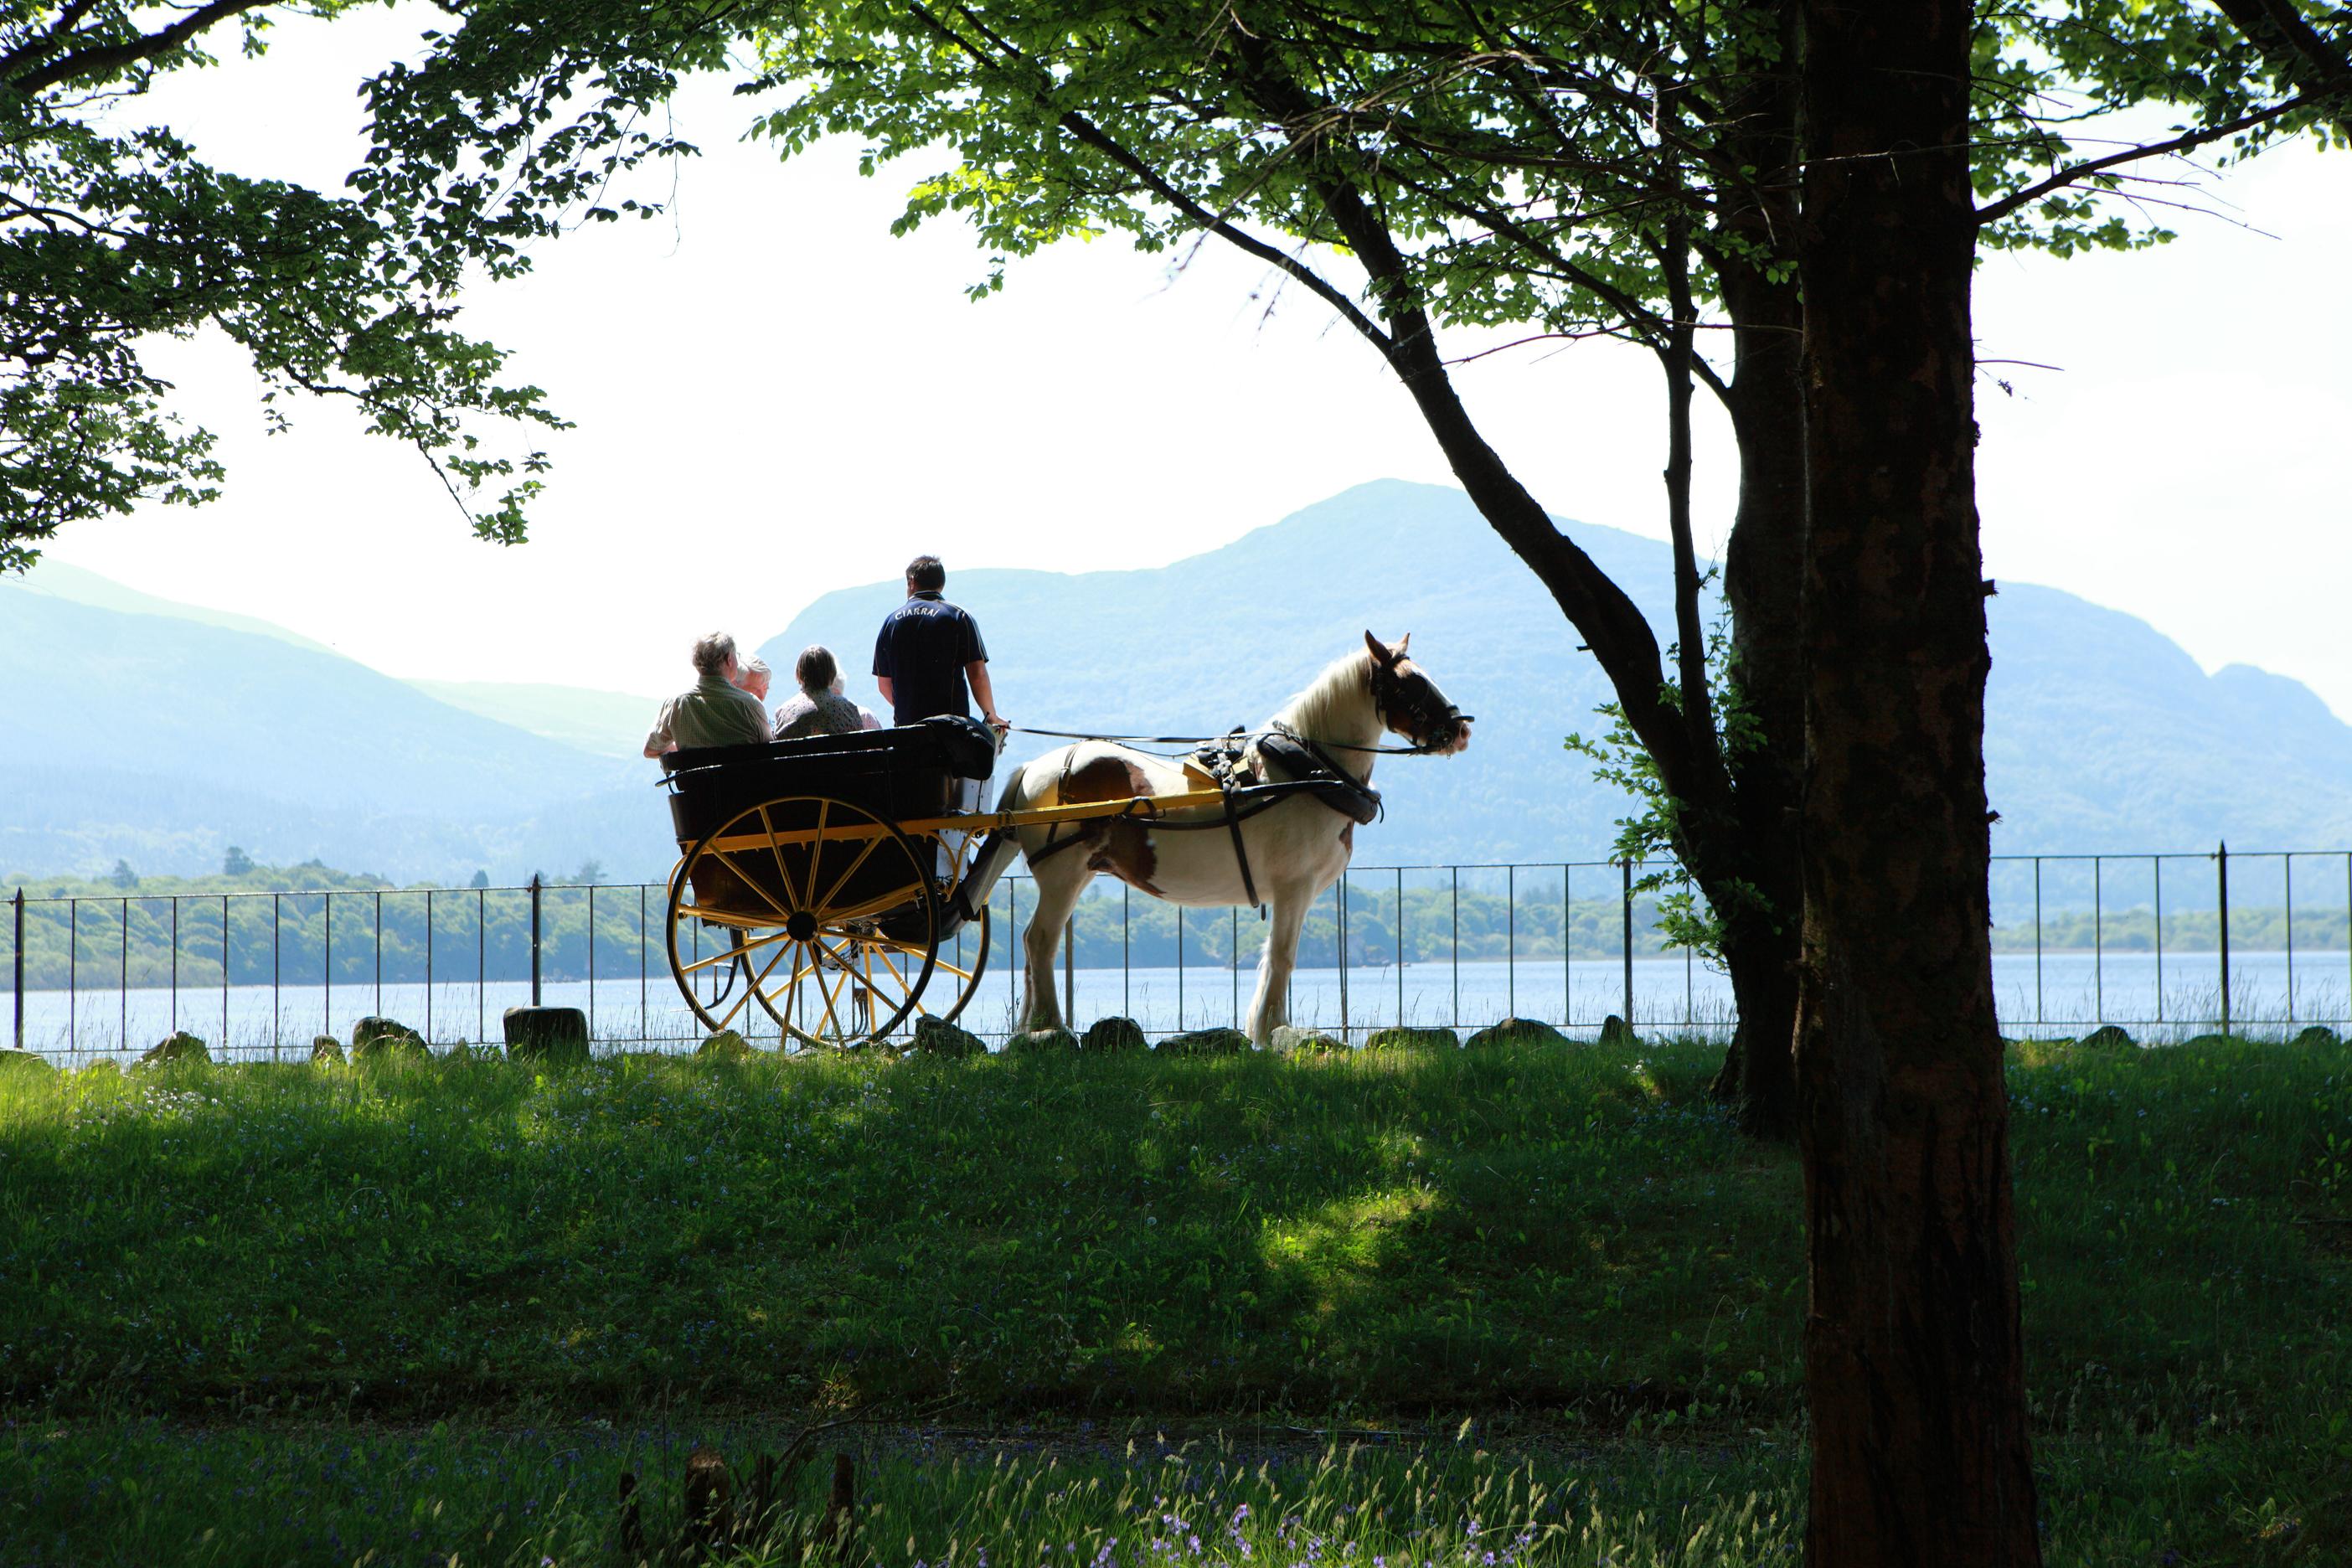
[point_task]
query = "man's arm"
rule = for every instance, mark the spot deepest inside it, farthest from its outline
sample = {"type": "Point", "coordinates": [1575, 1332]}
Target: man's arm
{"type": "Point", "coordinates": [882, 683]}
{"type": "Point", "coordinates": [977, 673]}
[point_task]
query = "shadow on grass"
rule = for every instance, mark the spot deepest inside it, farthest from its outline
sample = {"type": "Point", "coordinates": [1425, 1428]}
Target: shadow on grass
{"type": "Point", "coordinates": [1396, 1230]}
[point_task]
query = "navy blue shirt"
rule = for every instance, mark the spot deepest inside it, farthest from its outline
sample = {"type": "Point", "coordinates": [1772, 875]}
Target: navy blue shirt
{"type": "Point", "coordinates": [921, 651]}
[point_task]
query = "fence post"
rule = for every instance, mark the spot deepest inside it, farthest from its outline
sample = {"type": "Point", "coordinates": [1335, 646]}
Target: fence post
{"type": "Point", "coordinates": [2222, 873]}
{"type": "Point", "coordinates": [534, 939]}
{"type": "Point", "coordinates": [18, 994]}
{"type": "Point", "coordinates": [1070, 972]}
{"type": "Point", "coordinates": [1627, 866]}
{"type": "Point", "coordinates": [1340, 907]}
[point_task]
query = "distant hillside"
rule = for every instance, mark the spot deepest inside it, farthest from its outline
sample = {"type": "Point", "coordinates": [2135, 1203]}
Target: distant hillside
{"type": "Point", "coordinates": [603, 723]}
{"type": "Point", "coordinates": [162, 739]}
{"type": "Point", "coordinates": [2103, 734]}
{"type": "Point", "coordinates": [160, 734]}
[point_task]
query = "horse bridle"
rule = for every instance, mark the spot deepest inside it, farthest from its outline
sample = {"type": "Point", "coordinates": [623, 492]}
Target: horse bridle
{"type": "Point", "coordinates": [1413, 708]}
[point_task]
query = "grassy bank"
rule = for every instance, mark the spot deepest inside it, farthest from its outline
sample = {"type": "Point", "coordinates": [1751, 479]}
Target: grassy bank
{"type": "Point", "coordinates": [288, 1279]}
{"type": "Point", "coordinates": [147, 1493]}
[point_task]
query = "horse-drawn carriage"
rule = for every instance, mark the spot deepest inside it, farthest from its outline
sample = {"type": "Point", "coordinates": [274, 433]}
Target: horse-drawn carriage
{"type": "Point", "coordinates": [819, 877]}
{"type": "Point", "coordinates": [817, 874]}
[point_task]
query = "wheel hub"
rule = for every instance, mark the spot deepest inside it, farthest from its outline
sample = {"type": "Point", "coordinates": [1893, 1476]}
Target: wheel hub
{"type": "Point", "coordinates": [801, 926]}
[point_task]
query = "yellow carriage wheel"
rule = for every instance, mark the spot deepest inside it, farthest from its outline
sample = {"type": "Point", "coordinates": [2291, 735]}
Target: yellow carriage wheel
{"type": "Point", "coordinates": [960, 964]}
{"type": "Point", "coordinates": [829, 909]}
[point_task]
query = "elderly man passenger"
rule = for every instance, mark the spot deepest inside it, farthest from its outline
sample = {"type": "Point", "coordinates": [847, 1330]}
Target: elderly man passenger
{"type": "Point", "coordinates": [755, 680]}
{"type": "Point", "coordinates": [714, 712]}
{"type": "Point", "coordinates": [819, 710]}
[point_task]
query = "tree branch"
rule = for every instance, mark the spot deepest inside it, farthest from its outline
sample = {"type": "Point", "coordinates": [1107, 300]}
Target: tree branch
{"type": "Point", "coordinates": [2181, 143]}
{"type": "Point", "coordinates": [107, 58]}
{"type": "Point", "coordinates": [1094, 136]}
{"type": "Point", "coordinates": [2319, 69]}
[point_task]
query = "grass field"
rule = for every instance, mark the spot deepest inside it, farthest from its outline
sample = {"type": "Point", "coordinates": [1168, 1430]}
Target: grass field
{"type": "Point", "coordinates": [438, 1309]}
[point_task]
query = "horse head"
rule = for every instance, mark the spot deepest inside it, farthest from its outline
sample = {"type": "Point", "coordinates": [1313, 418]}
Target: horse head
{"type": "Point", "coordinates": [1408, 702]}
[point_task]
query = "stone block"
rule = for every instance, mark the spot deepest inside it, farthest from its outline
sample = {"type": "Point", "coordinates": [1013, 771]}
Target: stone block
{"type": "Point", "coordinates": [1035, 1041]}
{"type": "Point", "coordinates": [1206, 1043]}
{"type": "Point", "coordinates": [726, 1046]}
{"type": "Point", "coordinates": [1515, 1032]}
{"type": "Point", "coordinates": [1308, 1042]}
{"type": "Point", "coordinates": [553, 1036]}
{"type": "Point", "coordinates": [381, 1039]}
{"type": "Point", "coordinates": [1113, 1035]}
{"type": "Point", "coordinates": [325, 1051]}
{"type": "Point", "coordinates": [937, 1037]}
{"type": "Point", "coordinates": [1406, 1037]}
{"type": "Point", "coordinates": [182, 1047]}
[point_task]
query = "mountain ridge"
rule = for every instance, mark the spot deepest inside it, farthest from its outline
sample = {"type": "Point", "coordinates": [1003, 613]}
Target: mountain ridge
{"type": "Point", "coordinates": [171, 736]}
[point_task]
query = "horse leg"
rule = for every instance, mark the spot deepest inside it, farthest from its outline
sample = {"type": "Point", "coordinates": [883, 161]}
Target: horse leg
{"type": "Point", "coordinates": [1059, 882]}
{"type": "Point", "coordinates": [1270, 1003]}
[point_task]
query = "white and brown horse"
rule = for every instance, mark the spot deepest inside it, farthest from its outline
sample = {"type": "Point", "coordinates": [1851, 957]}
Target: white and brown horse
{"type": "Point", "coordinates": [1290, 851]}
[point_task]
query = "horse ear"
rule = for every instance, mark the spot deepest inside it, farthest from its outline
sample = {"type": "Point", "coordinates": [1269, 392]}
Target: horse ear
{"type": "Point", "coordinates": [1383, 655]}
{"type": "Point", "coordinates": [1403, 643]}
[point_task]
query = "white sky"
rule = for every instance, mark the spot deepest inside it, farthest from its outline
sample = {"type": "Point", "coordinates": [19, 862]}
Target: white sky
{"type": "Point", "coordinates": [775, 398]}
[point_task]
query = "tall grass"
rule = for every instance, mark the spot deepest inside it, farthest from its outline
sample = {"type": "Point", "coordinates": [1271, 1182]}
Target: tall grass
{"type": "Point", "coordinates": [303, 1309]}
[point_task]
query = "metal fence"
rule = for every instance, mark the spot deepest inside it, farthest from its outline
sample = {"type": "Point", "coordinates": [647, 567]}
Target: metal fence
{"type": "Point", "coordinates": [2164, 944]}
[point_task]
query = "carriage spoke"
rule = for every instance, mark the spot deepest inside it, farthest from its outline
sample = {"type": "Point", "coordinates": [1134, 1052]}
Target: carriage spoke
{"type": "Point", "coordinates": [792, 990]}
{"type": "Point", "coordinates": [807, 896]}
{"type": "Point", "coordinates": [842, 881]}
{"type": "Point", "coordinates": [744, 947]}
{"type": "Point", "coordinates": [776, 852]}
{"type": "Point", "coordinates": [832, 1015]}
{"type": "Point", "coordinates": [746, 878]}
{"type": "Point", "coordinates": [833, 991]}
{"type": "Point", "coordinates": [752, 989]}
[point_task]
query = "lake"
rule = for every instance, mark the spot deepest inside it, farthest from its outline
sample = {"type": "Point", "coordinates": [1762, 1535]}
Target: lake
{"type": "Point", "coordinates": [2060, 993]}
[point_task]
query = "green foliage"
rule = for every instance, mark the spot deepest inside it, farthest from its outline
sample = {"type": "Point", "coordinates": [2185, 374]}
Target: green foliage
{"type": "Point", "coordinates": [111, 236]}
{"type": "Point", "coordinates": [1657, 833]}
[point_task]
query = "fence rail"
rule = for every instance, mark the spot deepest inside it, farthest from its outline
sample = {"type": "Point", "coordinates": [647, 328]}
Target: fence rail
{"type": "Point", "coordinates": [2166, 944]}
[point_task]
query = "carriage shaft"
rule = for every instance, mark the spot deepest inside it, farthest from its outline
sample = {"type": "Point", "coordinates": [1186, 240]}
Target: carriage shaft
{"type": "Point", "coordinates": [1145, 806]}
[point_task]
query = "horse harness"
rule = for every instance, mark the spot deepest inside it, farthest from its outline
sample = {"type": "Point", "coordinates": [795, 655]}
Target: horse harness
{"type": "Point", "coordinates": [1237, 762]}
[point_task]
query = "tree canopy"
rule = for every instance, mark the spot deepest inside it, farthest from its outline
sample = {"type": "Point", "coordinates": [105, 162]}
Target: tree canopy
{"type": "Point", "coordinates": [113, 231]}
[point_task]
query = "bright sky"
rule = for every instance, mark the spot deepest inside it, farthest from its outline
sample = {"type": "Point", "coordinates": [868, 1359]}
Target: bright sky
{"type": "Point", "coordinates": [775, 398]}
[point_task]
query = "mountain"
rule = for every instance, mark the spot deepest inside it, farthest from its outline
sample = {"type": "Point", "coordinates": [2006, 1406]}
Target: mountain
{"type": "Point", "coordinates": [162, 734]}
{"type": "Point", "coordinates": [2102, 733]}
{"type": "Point", "coordinates": [162, 738]}
{"type": "Point", "coordinates": [603, 723]}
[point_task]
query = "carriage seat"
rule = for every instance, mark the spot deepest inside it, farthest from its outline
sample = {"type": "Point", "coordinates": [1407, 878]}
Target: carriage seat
{"type": "Point", "coordinates": [964, 747]}
{"type": "Point", "coordinates": [897, 774]}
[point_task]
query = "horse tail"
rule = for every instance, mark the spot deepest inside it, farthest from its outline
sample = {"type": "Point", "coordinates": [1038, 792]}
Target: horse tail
{"type": "Point", "coordinates": [995, 852]}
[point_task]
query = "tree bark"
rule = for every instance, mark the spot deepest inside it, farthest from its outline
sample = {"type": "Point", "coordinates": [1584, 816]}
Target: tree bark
{"type": "Point", "coordinates": [1914, 1362]}
{"type": "Point", "coordinates": [1763, 576]}
{"type": "Point", "coordinates": [1762, 587]}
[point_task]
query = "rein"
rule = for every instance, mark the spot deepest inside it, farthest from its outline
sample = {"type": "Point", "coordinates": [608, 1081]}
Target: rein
{"type": "Point", "coordinates": [1209, 740]}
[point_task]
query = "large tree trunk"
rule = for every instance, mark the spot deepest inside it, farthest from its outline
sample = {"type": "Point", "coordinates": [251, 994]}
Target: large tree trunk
{"type": "Point", "coordinates": [1914, 1368]}
{"type": "Point", "coordinates": [1763, 576]}
{"type": "Point", "coordinates": [1762, 587]}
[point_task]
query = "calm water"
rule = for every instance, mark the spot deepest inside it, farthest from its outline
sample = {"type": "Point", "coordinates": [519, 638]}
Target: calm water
{"type": "Point", "coordinates": [2064, 993]}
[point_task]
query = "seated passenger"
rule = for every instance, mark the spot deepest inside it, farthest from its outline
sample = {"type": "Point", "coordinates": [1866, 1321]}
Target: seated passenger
{"type": "Point", "coordinates": [755, 681]}
{"type": "Point", "coordinates": [866, 719]}
{"type": "Point", "coordinates": [716, 712]}
{"type": "Point", "coordinates": [818, 710]}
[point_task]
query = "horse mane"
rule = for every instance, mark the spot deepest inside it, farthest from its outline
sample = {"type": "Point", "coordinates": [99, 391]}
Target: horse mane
{"type": "Point", "coordinates": [1311, 712]}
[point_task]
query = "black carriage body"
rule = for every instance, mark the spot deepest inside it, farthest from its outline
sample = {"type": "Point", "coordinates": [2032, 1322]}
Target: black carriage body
{"type": "Point", "coordinates": [896, 774]}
